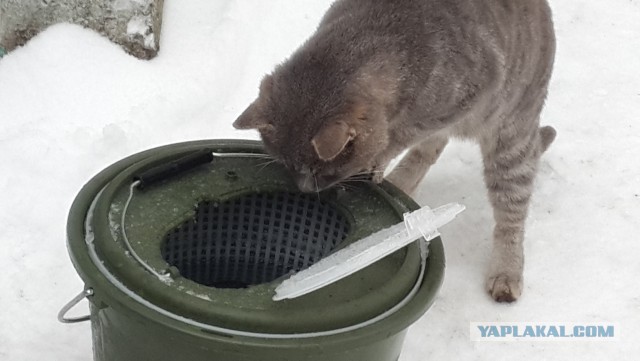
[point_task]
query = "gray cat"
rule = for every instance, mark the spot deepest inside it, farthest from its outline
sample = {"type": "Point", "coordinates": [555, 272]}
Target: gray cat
{"type": "Point", "coordinates": [383, 76]}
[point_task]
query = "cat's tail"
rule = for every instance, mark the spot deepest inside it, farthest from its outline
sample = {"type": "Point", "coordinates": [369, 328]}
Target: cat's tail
{"type": "Point", "coordinates": [547, 135]}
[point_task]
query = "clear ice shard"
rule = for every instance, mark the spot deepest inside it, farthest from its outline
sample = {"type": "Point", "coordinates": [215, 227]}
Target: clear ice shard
{"type": "Point", "coordinates": [423, 222]}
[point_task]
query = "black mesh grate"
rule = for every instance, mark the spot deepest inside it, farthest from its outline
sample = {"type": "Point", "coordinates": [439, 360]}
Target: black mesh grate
{"type": "Point", "coordinates": [254, 239]}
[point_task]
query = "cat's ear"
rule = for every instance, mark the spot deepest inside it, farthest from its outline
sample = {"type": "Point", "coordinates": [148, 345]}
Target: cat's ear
{"type": "Point", "coordinates": [331, 140]}
{"type": "Point", "coordinates": [251, 118]}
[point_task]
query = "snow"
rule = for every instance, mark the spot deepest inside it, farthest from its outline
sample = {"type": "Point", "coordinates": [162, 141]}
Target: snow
{"type": "Point", "coordinates": [71, 103]}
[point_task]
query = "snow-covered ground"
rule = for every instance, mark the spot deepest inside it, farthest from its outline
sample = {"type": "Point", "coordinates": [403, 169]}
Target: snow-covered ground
{"type": "Point", "coordinates": [72, 103]}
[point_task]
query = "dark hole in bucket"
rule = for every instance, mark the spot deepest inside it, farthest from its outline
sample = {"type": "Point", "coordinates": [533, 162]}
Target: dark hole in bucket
{"type": "Point", "coordinates": [254, 239]}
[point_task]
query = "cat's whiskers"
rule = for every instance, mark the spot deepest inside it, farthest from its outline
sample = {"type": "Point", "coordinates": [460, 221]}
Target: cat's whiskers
{"type": "Point", "coordinates": [315, 179]}
{"type": "Point", "coordinates": [266, 164]}
{"type": "Point", "coordinates": [346, 186]}
{"type": "Point", "coordinates": [357, 181]}
{"type": "Point", "coordinates": [368, 173]}
{"type": "Point", "coordinates": [362, 176]}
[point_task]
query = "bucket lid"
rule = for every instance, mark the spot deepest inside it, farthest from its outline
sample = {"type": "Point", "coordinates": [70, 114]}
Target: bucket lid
{"type": "Point", "coordinates": [216, 241]}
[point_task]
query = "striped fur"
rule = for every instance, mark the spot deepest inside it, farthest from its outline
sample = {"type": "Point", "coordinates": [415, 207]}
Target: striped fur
{"type": "Point", "coordinates": [382, 76]}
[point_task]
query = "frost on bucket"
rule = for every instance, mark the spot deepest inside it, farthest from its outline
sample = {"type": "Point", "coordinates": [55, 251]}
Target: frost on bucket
{"type": "Point", "coordinates": [185, 246]}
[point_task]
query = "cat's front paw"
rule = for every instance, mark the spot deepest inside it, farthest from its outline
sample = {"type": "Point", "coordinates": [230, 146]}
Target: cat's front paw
{"type": "Point", "coordinates": [504, 287]}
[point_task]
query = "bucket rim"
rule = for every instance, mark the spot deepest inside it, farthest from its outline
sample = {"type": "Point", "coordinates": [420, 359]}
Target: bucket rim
{"type": "Point", "coordinates": [95, 278]}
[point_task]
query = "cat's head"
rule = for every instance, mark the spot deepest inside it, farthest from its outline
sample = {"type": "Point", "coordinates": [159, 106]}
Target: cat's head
{"type": "Point", "coordinates": [322, 135]}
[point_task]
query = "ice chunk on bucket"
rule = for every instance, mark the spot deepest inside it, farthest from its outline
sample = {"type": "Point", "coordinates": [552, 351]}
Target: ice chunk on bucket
{"type": "Point", "coordinates": [421, 223]}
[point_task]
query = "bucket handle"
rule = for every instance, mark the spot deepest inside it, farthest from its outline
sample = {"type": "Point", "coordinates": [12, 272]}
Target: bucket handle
{"type": "Point", "coordinates": [66, 308]}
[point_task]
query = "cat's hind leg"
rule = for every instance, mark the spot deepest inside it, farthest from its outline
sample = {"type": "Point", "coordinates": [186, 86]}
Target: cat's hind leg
{"type": "Point", "coordinates": [416, 163]}
{"type": "Point", "coordinates": [510, 165]}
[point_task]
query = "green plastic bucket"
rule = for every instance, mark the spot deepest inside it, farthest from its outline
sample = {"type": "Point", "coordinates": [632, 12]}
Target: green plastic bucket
{"type": "Point", "coordinates": [186, 268]}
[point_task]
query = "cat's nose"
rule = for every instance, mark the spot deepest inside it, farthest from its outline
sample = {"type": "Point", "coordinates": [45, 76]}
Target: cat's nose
{"type": "Point", "coordinates": [306, 185]}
